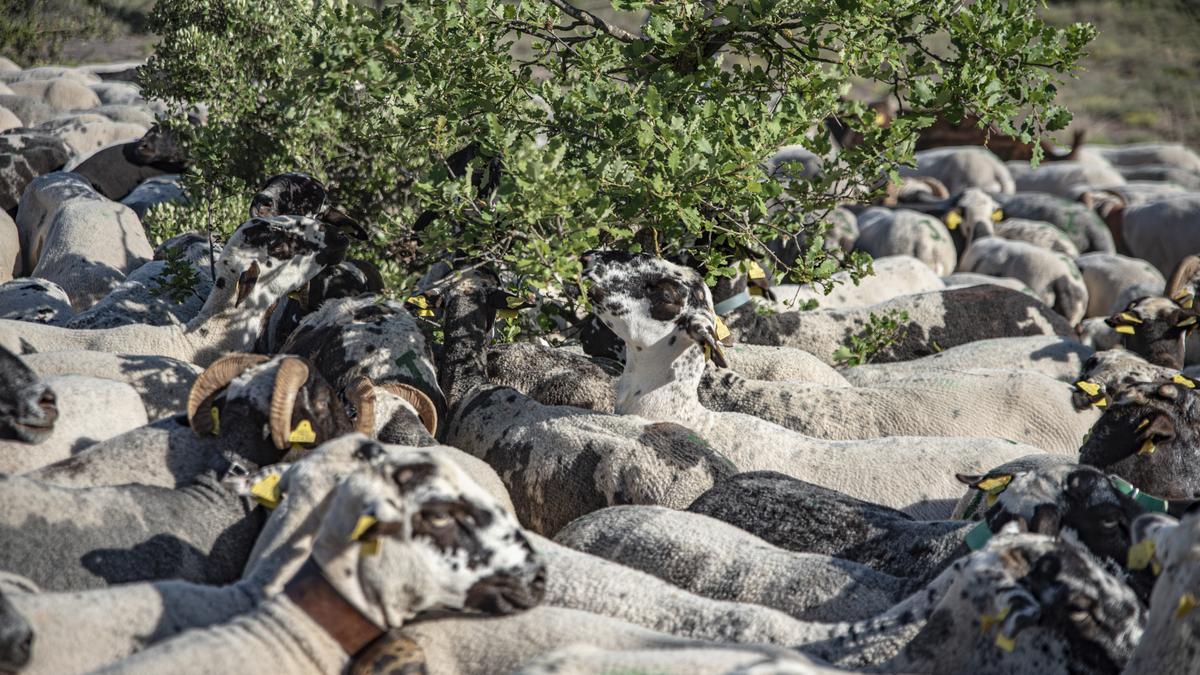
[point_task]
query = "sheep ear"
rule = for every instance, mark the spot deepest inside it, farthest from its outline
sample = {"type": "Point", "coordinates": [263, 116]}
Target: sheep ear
{"type": "Point", "coordinates": [344, 222]}
{"type": "Point", "coordinates": [990, 482]}
{"type": "Point", "coordinates": [704, 333]}
{"type": "Point", "coordinates": [1147, 535]}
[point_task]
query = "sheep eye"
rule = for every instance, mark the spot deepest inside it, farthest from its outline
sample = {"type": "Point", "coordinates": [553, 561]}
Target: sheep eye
{"type": "Point", "coordinates": [1079, 616]}
{"type": "Point", "coordinates": [439, 520]}
{"type": "Point", "coordinates": [1108, 523]}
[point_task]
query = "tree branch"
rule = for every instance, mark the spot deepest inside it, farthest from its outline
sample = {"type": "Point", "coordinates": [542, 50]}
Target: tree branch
{"type": "Point", "coordinates": [594, 21]}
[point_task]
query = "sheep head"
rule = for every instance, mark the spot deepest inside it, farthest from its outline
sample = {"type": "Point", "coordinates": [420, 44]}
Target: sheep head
{"type": "Point", "coordinates": [1155, 328]}
{"type": "Point", "coordinates": [1171, 549]}
{"type": "Point", "coordinates": [1148, 437]}
{"type": "Point", "coordinates": [266, 258]}
{"type": "Point", "coordinates": [28, 408]}
{"type": "Point", "coordinates": [1060, 498]}
{"type": "Point", "coordinates": [299, 194]}
{"type": "Point", "coordinates": [413, 534]}
{"type": "Point", "coordinates": [651, 303]}
{"type": "Point", "coordinates": [283, 400]}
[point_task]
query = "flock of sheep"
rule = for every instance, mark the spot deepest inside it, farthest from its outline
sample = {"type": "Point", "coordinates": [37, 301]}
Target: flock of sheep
{"type": "Point", "coordinates": [275, 468]}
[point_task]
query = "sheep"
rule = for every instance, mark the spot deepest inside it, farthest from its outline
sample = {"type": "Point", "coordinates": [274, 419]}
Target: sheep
{"type": "Point", "coordinates": [1184, 178]}
{"type": "Point", "coordinates": [938, 320]}
{"type": "Point", "coordinates": [1156, 329]}
{"type": "Point", "coordinates": [88, 132]}
{"type": "Point", "coordinates": [162, 383]}
{"type": "Point", "coordinates": [841, 234]}
{"type": "Point", "coordinates": [117, 93]}
{"type": "Point", "coordinates": [90, 410]}
{"type": "Point", "coordinates": [890, 232]}
{"type": "Point", "coordinates": [558, 462]}
{"type": "Point", "coordinates": [347, 279]}
{"type": "Point", "coordinates": [664, 313]}
{"type": "Point", "coordinates": [265, 410]}
{"type": "Point", "coordinates": [1161, 232]}
{"type": "Point", "coordinates": [960, 279]}
{"type": "Point", "coordinates": [892, 276]}
{"type": "Point", "coordinates": [118, 621]}
{"type": "Point", "coordinates": [8, 119]}
{"type": "Point", "coordinates": [1147, 436]}
{"type": "Point", "coordinates": [1114, 280]}
{"type": "Point", "coordinates": [1064, 178]}
{"type": "Point", "coordinates": [710, 558]}
{"type": "Point", "coordinates": [398, 539]}
{"type": "Point", "coordinates": [1019, 584]}
{"type": "Point", "coordinates": [28, 406]}
{"type": "Point", "coordinates": [147, 296]}
{"type": "Point", "coordinates": [300, 194]}
{"type": "Point", "coordinates": [1039, 233]}
{"type": "Point", "coordinates": [62, 94]}
{"type": "Point", "coordinates": [35, 300]}
{"type": "Point", "coordinates": [1019, 406]}
{"type": "Point", "coordinates": [30, 111]}
{"type": "Point", "coordinates": [1086, 230]}
{"type": "Point", "coordinates": [86, 244]}
{"type": "Point", "coordinates": [32, 154]}
{"type": "Point", "coordinates": [376, 339]}
{"type": "Point", "coordinates": [962, 167]}
{"type": "Point", "coordinates": [1052, 276]}
{"type": "Point", "coordinates": [554, 376]}
{"type": "Point", "coordinates": [117, 170]}
{"type": "Point", "coordinates": [68, 539]}
{"type": "Point", "coordinates": [1160, 154]}
{"type": "Point", "coordinates": [1168, 643]}
{"type": "Point", "coordinates": [1132, 192]}
{"type": "Point", "coordinates": [264, 259]}
{"type": "Point", "coordinates": [1057, 357]}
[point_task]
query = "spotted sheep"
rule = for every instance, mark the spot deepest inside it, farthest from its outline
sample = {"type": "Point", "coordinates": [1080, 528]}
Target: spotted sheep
{"type": "Point", "coordinates": [264, 260]}
{"type": "Point", "coordinates": [1169, 546]}
{"type": "Point", "coordinates": [664, 314]}
{"type": "Point", "coordinates": [121, 620]}
{"type": "Point", "coordinates": [558, 462]}
{"type": "Point", "coordinates": [408, 535]}
{"type": "Point", "coordinates": [1013, 607]}
{"type": "Point", "coordinates": [373, 350]}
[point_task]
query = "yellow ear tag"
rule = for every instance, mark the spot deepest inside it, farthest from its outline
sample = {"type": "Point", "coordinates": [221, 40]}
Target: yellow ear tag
{"type": "Point", "coordinates": [422, 305]}
{"type": "Point", "coordinates": [1140, 555]}
{"type": "Point", "coordinates": [506, 313]}
{"type": "Point", "coordinates": [953, 220]}
{"type": "Point", "coordinates": [1147, 448]}
{"type": "Point", "coordinates": [303, 433]}
{"type": "Point", "coordinates": [880, 119]}
{"type": "Point", "coordinates": [1181, 379]}
{"type": "Point", "coordinates": [1005, 642]}
{"type": "Point", "coordinates": [1190, 321]}
{"type": "Point", "coordinates": [1187, 602]}
{"type": "Point", "coordinates": [997, 215]}
{"type": "Point", "coordinates": [1143, 425]}
{"type": "Point", "coordinates": [266, 491]}
{"type": "Point", "coordinates": [994, 483]}
{"type": "Point", "coordinates": [1088, 387]}
{"type": "Point", "coordinates": [1100, 403]}
{"type": "Point", "coordinates": [755, 271]}
{"type": "Point", "coordinates": [1127, 330]}
{"type": "Point", "coordinates": [1131, 318]}
{"type": "Point", "coordinates": [364, 523]}
{"type": "Point", "coordinates": [722, 329]}
{"type": "Point", "coordinates": [370, 547]}
{"type": "Point", "coordinates": [988, 620]}
{"type": "Point", "coordinates": [755, 290]}
{"type": "Point", "coordinates": [216, 420]}
{"type": "Point", "coordinates": [1184, 299]}
{"type": "Point", "coordinates": [294, 295]}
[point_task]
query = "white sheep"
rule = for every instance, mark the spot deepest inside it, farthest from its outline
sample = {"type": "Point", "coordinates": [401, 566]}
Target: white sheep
{"type": "Point", "coordinates": [664, 313]}
{"type": "Point", "coordinates": [1168, 643]}
{"type": "Point", "coordinates": [962, 167]}
{"type": "Point", "coordinates": [399, 538]}
{"type": "Point", "coordinates": [1064, 179]}
{"type": "Point", "coordinates": [35, 301]}
{"type": "Point", "coordinates": [902, 232]}
{"type": "Point", "coordinates": [893, 276]}
{"type": "Point", "coordinates": [1038, 233]}
{"type": "Point", "coordinates": [1161, 232]}
{"type": "Point", "coordinates": [1114, 281]}
{"type": "Point", "coordinates": [1161, 154]}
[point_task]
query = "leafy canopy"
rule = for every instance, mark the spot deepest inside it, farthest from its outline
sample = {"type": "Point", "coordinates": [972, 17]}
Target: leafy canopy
{"type": "Point", "coordinates": [652, 137]}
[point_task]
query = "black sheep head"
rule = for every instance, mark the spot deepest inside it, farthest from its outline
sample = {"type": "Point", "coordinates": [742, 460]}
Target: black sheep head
{"type": "Point", "coordinates": [1148, 437]}
{"type": "Point", "coordinates": [28, 408]}
{"type": "Point", "coordinates": [1155, 329]}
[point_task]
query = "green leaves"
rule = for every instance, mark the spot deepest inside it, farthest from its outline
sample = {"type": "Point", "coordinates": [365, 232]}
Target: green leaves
{"type": "Point", "coordinates": [600, 135]}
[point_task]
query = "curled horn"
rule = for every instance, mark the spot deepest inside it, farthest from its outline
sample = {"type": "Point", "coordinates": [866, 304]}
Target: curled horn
{"type": "Point", "coordinates": [1186, 270]}
{"type": "Point", "coordinates": [213, 379]}
{"type": "Point", "coordinates": [936, 187]}
{"type": "Point", "coordinates": [361, 393]}
{"type": "Point", "coordinates": [290, 377]}
{"type": "Point", "coordinates": [426, 409]}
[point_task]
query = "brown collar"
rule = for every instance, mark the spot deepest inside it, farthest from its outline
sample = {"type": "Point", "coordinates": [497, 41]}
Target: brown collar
{"type": "Point", "coordinates": [311, 592]}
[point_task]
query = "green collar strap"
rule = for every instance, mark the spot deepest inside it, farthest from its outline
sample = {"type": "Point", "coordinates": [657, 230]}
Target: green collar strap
{"type": "Point", "coordinates": [978, 536]}
{"type": "Point", "coordinates": [1148, 502]}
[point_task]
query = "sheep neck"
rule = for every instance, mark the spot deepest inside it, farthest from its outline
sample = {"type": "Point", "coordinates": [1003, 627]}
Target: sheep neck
{"type": "Point", "coordinates": [660, 383]}
{"type": "Point", "coordinates": [220, 327]}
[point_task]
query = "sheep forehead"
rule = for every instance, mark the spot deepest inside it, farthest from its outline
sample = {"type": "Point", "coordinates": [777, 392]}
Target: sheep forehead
{"type": "Point", "coordinates": [262, 236]}
{"type": "Point", "coordinates": [1153, 306]}
{"type": "Point", "coordinates": [255, 385]}
{"type": "Point", "coordinates": [297, 193]}
{"type": "Point", "coordinates": [1031, 489]}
